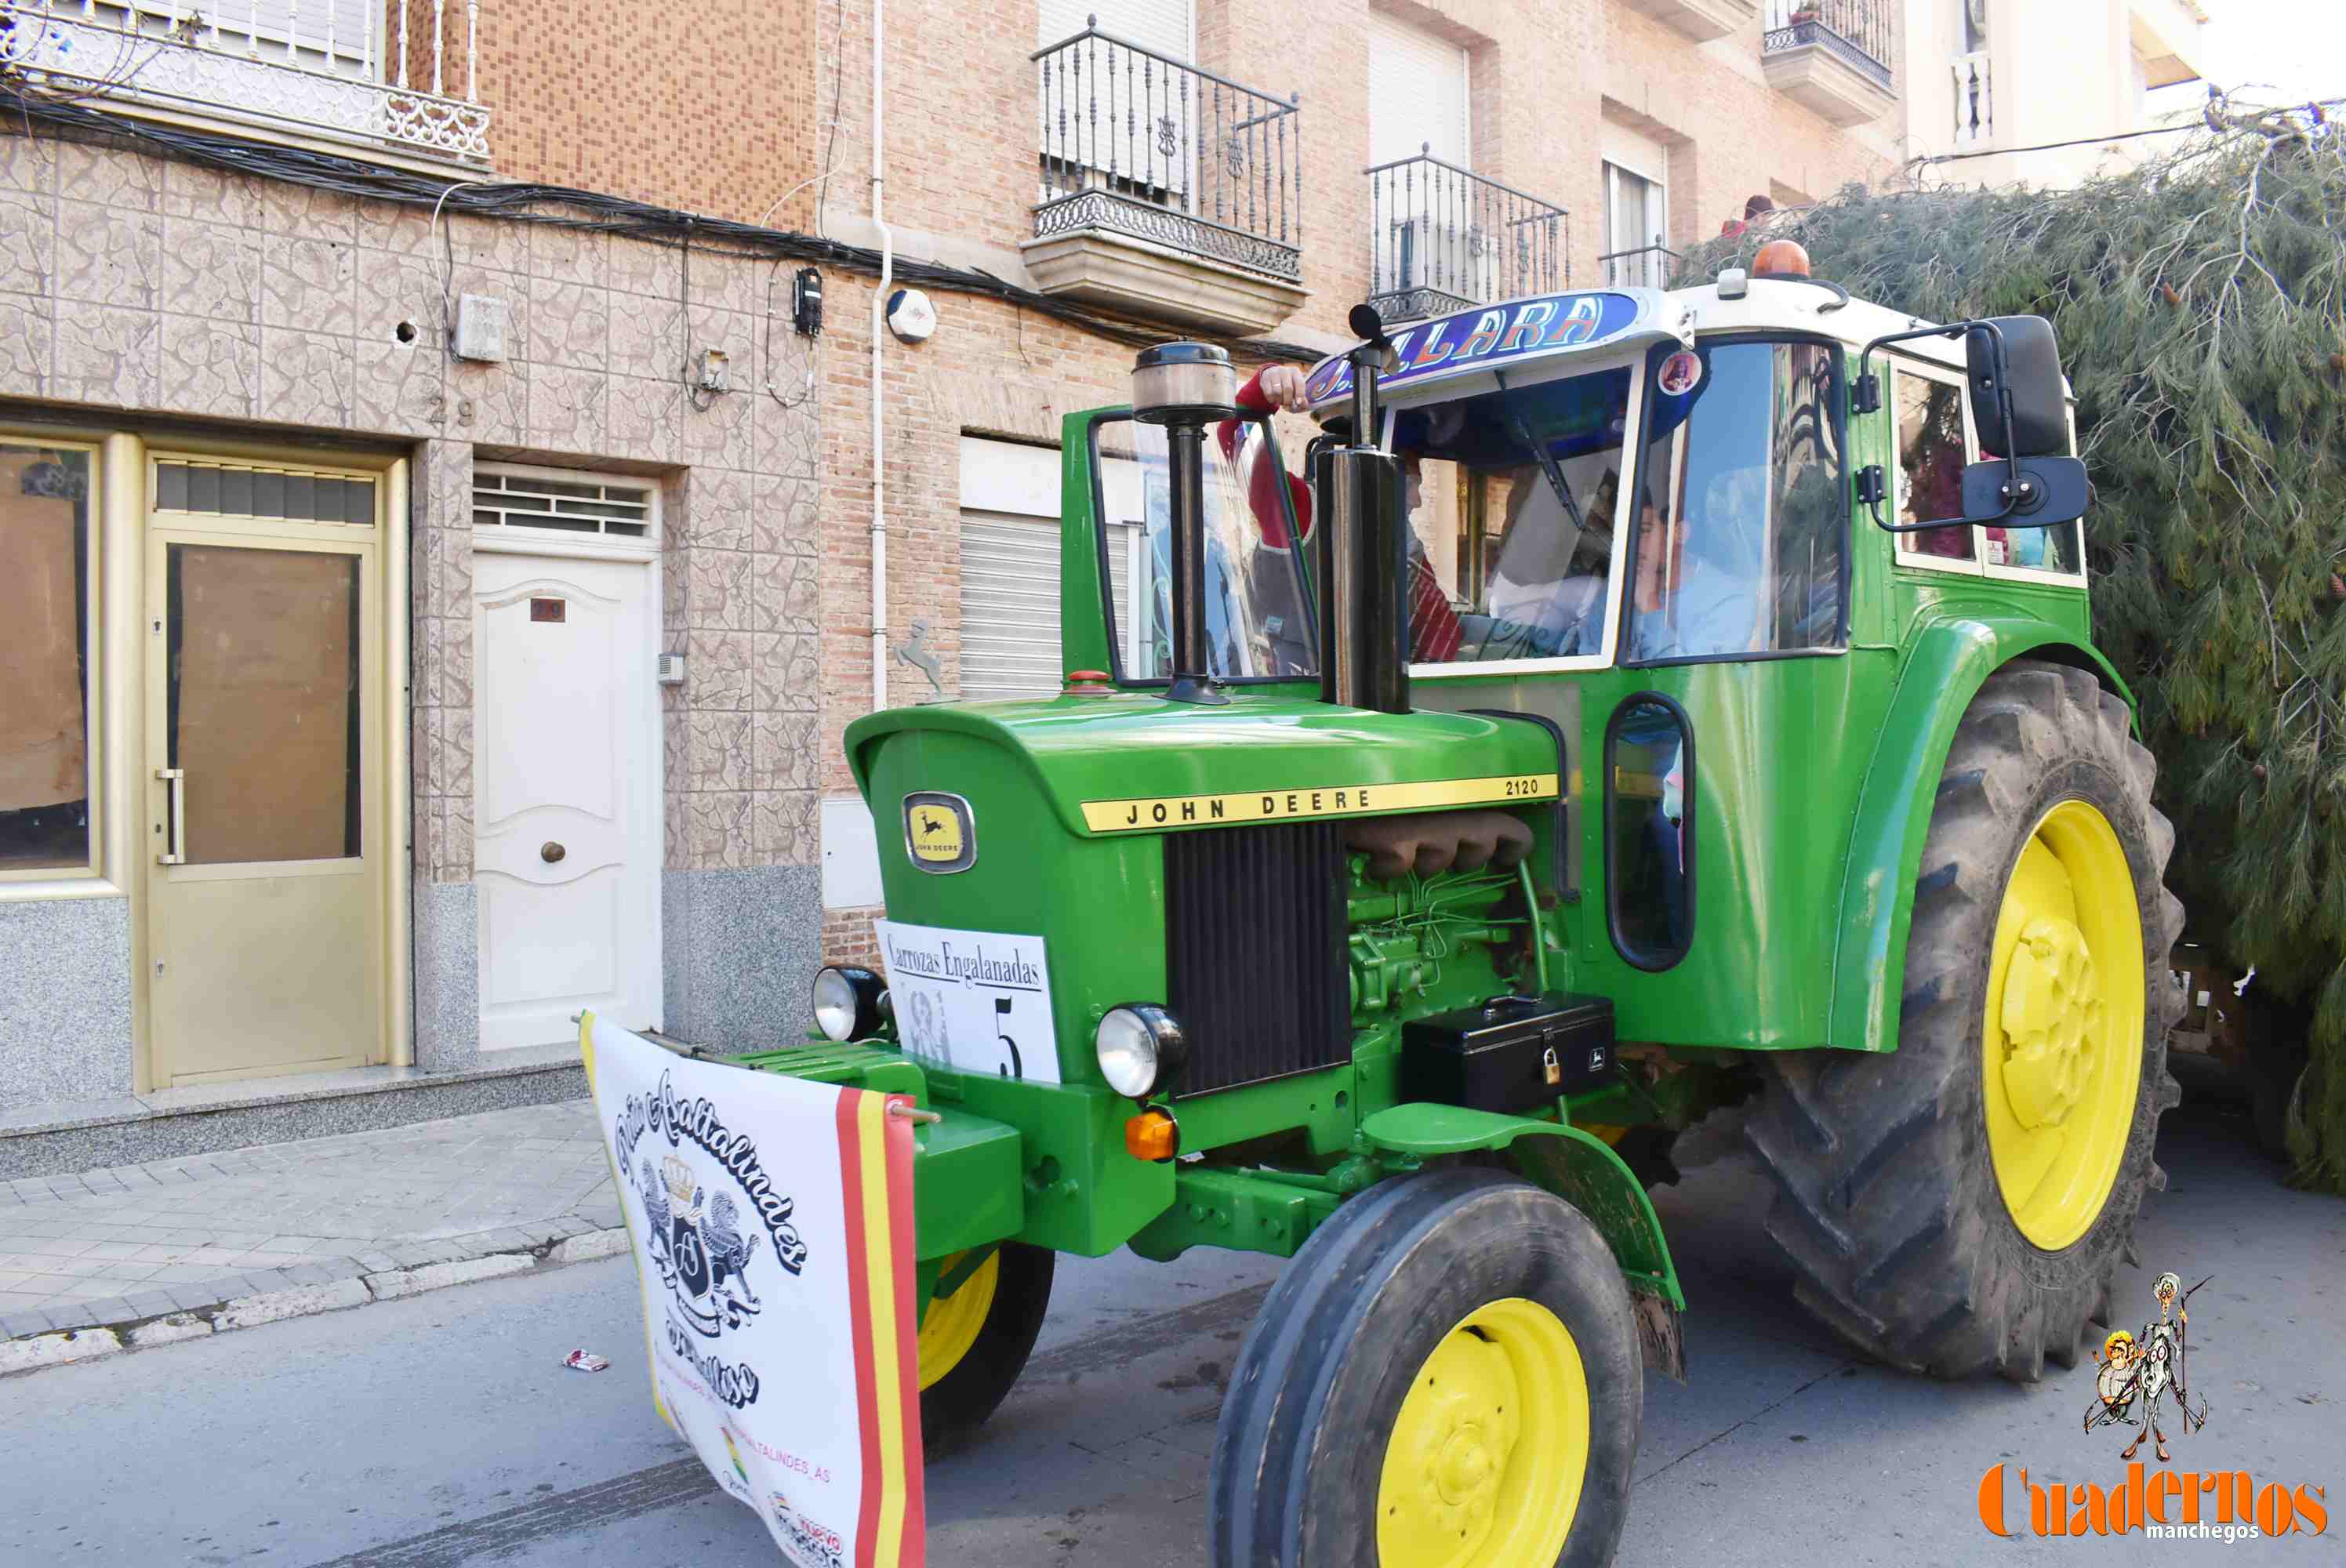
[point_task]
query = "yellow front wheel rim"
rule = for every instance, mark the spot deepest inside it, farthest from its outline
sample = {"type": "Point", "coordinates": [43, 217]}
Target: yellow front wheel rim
{"type": "Point", "coordinates": [951, 1325]}
{"type": "Point", "coordinates": [2063, 1026]}
{"type": "Point", "coordinates": [1489, 1450]}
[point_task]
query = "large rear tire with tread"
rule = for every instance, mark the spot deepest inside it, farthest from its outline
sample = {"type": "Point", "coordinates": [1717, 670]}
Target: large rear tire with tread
{"type": "Point", "coordinates": [1944, 1205]}
{"type": "Point", "coordinates": [1447, 1376]}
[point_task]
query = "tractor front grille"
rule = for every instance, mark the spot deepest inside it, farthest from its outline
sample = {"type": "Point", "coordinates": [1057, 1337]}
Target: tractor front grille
{"type": "Point", "coordinates": [1254, 951]}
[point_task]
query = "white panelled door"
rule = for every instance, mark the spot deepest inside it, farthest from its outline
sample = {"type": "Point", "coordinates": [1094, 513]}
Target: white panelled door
{"type": "Point", "coordinates": [567, 769]}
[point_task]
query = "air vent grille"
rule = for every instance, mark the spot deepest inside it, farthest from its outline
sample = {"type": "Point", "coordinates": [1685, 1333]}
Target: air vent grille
{"type": "Point", "coordinates": [582, 506]}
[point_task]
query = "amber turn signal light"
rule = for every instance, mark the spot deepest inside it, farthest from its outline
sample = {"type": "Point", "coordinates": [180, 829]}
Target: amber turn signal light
{"type": "Point", "coordinates": [1152, 1135]}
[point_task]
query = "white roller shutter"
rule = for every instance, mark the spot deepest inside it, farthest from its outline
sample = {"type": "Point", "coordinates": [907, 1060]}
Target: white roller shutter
{"type": "Point", "coordinates": [1166, 26]}
{"type": "Point", "coordinates": [1009, 569]}
{"type": "Point", "coordinates": [1009, 606]}
{"type": "Point", "coordinates": [1417, 94]}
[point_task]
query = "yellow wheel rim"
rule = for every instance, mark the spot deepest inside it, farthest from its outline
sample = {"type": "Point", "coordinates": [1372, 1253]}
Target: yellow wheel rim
{"type": "Point", "coordinates": [2063, 1033]}
{"type": "Point", "coordinates": [950, 1326]}
{"type": "Point", "coordinates": [1488, 1452]}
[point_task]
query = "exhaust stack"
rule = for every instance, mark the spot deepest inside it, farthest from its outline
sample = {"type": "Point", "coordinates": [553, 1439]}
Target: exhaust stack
{"type": "Point", "coordinates": [1356, 493]}
{"type": "Point", "coordinates": [1185, 387]}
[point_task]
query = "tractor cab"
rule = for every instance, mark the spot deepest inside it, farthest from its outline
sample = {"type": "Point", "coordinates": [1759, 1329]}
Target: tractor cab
{"type": "Point", "coordinates": [1725, 524]}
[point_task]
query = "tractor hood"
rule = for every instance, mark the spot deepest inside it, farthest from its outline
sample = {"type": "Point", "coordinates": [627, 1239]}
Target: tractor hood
{"type": "Point", "coordinates": [1108, 765]}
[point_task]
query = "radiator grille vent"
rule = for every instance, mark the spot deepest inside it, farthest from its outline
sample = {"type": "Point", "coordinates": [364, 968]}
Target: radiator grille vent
{"type": "Point", "coordinates": [1254, 951]}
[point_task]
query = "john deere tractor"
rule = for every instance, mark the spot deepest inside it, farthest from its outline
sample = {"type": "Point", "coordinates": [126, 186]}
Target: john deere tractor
{"type": "Point", "coordinates": [1653, 701]}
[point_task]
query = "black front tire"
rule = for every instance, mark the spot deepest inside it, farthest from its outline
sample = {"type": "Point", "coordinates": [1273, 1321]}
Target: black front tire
{"type": "Point", "coordinates": [1322, 1375]}
{"type": "Point", "coordinates": [955, 1406]}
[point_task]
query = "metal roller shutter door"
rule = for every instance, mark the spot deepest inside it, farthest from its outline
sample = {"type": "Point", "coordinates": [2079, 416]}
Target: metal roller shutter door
{"type": "Point", "coordinates": [1009, 606]}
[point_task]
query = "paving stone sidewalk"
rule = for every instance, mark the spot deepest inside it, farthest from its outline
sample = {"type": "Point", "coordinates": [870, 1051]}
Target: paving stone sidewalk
{"type": "Point", "coordinates": [333, 1221]}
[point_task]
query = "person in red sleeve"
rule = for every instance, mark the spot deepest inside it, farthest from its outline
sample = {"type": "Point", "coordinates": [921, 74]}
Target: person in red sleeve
{"type": "Point", "coordinates": [1435, 630]}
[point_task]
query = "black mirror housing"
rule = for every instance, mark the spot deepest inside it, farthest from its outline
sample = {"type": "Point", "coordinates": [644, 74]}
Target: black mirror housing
{"type": "Point", "coordinates": [2027, 381]}
{"type": "Point", "coordinates": [2051, 491]}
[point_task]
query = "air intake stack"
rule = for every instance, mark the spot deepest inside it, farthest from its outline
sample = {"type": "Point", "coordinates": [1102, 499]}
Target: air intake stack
{"type": "Point", "coordinates": [1185, 387]}
{"type": "Point", "coordinates": [1356, 493]}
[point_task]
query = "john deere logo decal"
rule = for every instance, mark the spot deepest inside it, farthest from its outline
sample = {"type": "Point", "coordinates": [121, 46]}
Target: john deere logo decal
{"type": "Point", "coordinates": [940, 832]}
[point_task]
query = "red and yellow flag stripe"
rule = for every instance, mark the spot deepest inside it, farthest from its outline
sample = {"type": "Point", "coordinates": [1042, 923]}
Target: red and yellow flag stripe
{"type": "Point", "coordinates": [875, 1160]}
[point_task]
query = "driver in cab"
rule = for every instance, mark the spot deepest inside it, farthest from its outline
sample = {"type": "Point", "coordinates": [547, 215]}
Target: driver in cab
{"type": "Point", "coordinates": [1698, 586]}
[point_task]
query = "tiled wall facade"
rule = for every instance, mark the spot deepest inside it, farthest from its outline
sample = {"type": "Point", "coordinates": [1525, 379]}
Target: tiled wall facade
{"type": "Point", "coordinates": [136, 289]}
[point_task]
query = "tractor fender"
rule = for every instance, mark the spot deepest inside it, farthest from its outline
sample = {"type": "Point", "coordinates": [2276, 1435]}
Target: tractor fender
{"type": "Point", "coordinates": [1950, 660]}
{"type": "Point", "coordinates": [1577, 1166]}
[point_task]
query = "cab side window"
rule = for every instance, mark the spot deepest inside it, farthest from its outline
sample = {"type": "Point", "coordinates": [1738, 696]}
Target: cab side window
{"type": "Point", "coordinates": [1933, 449]}
{"type": "Point", "coordinates": [1742, 516]}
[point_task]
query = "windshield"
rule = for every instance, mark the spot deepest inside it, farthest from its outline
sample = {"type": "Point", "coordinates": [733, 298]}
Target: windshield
{"type": "Point", "coordinates": [1742, 517]}
{"type": "Point", "coordinates": [1514, 500]}
{"type": "Point", "coordinates": [1258, 618]}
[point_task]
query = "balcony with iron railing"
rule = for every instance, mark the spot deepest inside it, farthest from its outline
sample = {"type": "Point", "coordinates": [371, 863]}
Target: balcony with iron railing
{"type": "Point", "coordinates": [1653, 266]}
{"type": "Point", "coordinates": [1443, 238]}
{"type": "Point", "coordinates": [1833, 56]}
{"type": "Point", "coordinates": [1166, 190]}
{"type": "Point", "coordinates": [1975, 101]}
{"type": "Point", "coordinates": [397, 81]}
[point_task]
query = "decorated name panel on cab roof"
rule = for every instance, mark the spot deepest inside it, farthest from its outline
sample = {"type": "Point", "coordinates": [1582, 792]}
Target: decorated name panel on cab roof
{"type": "Point", "coordinates": [1479, 339]}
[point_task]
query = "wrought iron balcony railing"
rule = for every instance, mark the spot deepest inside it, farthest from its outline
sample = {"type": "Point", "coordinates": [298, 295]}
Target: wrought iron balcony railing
{"type": "Point", "coordinates": [1975, 101]}
{"type": "Point", "coordinates": [1858, 31]}
{"type": "Point", "coordinates": [1643, 266]}
{"type": "Point", "coordinates": [1144, 145]}
{"type": "Point", "coordinates": [400, 77]}
{"type": "Point", "coordinates": [1443, 238]}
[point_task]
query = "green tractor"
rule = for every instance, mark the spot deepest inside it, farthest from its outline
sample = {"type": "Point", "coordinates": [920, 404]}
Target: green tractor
{"type": "Point", "coordinates": [1668, 699]}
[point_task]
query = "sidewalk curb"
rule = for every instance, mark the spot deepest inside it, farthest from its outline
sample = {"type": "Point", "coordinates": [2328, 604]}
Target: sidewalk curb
{"type": "Point", "coordinates": [314, 1288]}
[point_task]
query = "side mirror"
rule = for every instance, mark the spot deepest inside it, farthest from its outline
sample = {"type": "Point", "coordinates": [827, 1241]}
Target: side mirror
{"type": "Point", "coordinates": [2023, 382]}
{"type": "Point", "coordinates": [2028, 493]}
{"type": "Point", "coordinates": [2020, 405]}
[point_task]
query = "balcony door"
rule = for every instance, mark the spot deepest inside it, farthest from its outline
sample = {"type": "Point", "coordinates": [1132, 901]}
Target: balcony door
{"type": "Point", "coordinates": [1418, 108]}
{"type": "Point", "coordinates": [1637, 226]}
{"type": "Point", "coordinates": [1130, 119]}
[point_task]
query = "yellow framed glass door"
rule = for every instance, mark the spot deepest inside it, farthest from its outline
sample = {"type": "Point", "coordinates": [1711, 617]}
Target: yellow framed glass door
{"type": "Point", "coordinates": [266, 801]}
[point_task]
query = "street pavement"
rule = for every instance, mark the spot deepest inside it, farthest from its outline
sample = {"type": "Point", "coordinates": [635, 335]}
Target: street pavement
{"type": "Point", "coordinates": [179, 1238]}
{"type": "Point", "coordinates": [441, 1430]}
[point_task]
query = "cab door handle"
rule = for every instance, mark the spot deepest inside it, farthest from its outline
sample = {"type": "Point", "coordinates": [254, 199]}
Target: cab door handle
{"type": "Point", "coordinates": [175, 843]}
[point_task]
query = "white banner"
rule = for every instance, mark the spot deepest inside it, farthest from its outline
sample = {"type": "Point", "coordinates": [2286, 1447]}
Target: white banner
{"type": "Point", "coordinates": [973, 1001]}
{"type": "Point", "coordinates": [771, 1225]}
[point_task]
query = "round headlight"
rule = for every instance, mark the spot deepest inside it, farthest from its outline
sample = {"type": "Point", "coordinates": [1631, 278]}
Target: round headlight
{"type": "Point", "coordinates": [847, 1001]}
{"type": "Point", "coordinates": [1141, 1049]}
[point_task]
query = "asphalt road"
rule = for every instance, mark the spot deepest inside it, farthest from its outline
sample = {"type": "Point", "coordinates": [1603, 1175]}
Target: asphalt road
{"type": "Point", "coordinates": [443, 1431]}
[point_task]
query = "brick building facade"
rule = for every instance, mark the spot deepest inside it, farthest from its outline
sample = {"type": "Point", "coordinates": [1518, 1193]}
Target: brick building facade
{"type": "Point", "coordinates": [261, 263]}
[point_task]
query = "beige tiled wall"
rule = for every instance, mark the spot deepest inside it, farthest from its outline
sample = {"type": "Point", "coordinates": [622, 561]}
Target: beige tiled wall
{"type": "Point", "coordinates": [138, 288]}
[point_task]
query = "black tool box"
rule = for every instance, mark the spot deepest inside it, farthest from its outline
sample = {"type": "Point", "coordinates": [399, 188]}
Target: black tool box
{"type": "Point", "coordinates": [1514, 1054]}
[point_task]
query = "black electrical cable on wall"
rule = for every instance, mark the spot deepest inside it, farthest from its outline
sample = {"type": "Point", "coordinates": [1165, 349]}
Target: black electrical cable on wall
{"type": "Point", "coordinates": [591, 211]}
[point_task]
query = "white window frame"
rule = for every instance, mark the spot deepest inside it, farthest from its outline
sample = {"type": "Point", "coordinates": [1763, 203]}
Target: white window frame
{"type": "Point", "coordinates": [521, 538]}
{"type": "Point", "coordinates": [1979, 565]}
{"type": "Point", "coordinates": [1633, 431]}
{"type": "Point", "coordinates": [1614, 167]}
{"type": "Point", "coordinates": [1894, 464]}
